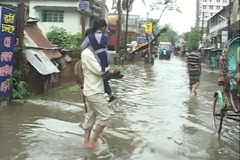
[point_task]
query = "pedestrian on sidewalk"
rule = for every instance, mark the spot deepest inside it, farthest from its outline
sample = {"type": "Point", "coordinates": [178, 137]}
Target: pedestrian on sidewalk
{"type": "Point", "coordinates": [93, 90]}
{"type": "Point", "coordinates": [194, 70]}
{"type": "Point", "coordinates": [213, 61]}
{"type": "Point", "coordinates": [221, 62]}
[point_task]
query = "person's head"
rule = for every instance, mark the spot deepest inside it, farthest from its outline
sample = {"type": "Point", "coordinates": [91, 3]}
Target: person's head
{"type": "Point", "coordinates": [195, 48]}
{"type": "Point", "coordinates": [88, 31]}
{"type": "Point", "coordinates": [100, 24]}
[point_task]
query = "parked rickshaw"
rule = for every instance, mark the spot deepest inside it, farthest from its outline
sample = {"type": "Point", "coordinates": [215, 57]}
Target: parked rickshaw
{"type": "Point", "coordinates": [227, 103]}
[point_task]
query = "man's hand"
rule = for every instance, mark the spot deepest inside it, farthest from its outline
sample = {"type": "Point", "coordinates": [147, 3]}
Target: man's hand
{"type": "Point", "coordinates": [111, 71]}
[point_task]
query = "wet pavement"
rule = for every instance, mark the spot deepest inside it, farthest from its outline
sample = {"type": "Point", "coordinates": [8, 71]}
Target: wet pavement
{"type": "Point", "coordinates": [154, 118]}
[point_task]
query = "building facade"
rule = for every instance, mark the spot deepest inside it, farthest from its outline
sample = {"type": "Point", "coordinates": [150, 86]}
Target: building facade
{"type": "Point", "coordinates": [221, 26]}
{"type": "Point", "coordinates": [206, 9]}
{"type": "Point", "coordinates": [62, 13]}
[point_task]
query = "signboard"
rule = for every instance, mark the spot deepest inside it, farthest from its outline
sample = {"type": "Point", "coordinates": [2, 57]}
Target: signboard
{"type": "Point", "coordinates": [8, 20]}
{"type": "Point", "coordinates": [83, 5]}
{"type": "Point", "coordinates": [224, 36]}
{"type": "Point", "coordinates": [148, 27]}
{"type": "Point", "coordinates": [142, 39]}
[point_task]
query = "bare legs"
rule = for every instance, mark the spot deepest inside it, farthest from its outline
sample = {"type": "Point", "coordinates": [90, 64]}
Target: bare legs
{"type": "Point", "coordinates": [194, 88]}
{"type": "Point", "coordinates": [94, 142]}
{"type": "Point", "coordinates": [86, 138]}
{"type": "Point", "coordinates": [97, 108]}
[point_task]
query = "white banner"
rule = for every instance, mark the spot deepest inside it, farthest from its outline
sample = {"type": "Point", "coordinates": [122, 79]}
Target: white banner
{"type": "Point", "coordinates": [224, 36]}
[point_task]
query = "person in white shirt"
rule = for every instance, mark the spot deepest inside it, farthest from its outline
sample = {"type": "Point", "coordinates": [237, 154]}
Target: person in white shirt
{"type": "Point", "coordinates": [93, 90]}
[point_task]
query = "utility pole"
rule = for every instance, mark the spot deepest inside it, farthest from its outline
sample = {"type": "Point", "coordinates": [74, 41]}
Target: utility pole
{"type": "Point", "coordinates": [20, 23]}
{"type": "Point", "coordinates": [202, 28]}
{"type": "Point", "coordinates": [82, 6]}
{"type": "Point", "coordinates": [21, 61]}
{"type": "Point", "coordinates": [126, 32]}
{"type": "Point", "coordinates": [149, 43]}
{"type": "Point", "coordinates": [229, 19]}
{"type": "Point", "coordinates": [119, 24]}
{"type": "Point", "coordinates": [83, 23]}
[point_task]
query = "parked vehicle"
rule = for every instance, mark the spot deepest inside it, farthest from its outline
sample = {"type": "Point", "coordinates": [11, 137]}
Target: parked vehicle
{"type": "Point", "coordinates": [227, 101]}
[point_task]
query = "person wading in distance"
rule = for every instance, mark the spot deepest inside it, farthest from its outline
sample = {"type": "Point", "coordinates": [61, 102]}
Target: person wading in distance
{"type": "Point", "coordinates": [194, 70]}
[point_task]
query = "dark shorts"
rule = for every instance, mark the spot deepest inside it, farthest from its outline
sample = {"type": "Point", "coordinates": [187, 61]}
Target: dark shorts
{"type": "Point", "coordinates": [194, 75]}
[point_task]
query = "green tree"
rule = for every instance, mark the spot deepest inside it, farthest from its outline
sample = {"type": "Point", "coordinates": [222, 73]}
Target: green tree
{"type": "Point", "coordinates": [60, 37]}
{"type": "Point", "coordinates": [192, 38]}
{"type": "Point", "coordinates": [169, 36]}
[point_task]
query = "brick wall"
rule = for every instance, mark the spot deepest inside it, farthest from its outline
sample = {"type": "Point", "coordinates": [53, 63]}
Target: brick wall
{"type": "Point", "coordinates": [67, 74]}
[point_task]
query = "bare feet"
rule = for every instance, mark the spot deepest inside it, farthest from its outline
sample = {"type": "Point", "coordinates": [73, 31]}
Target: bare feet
{"type": "Point", "coordinates": [85, 145]}
{"type": "Point", "coordinates": [195, 92]}
{"type": "Point", "coordinates": [93, 145]}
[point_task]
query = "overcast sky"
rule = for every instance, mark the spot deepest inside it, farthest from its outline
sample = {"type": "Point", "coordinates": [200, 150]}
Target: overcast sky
{"type": "Point", "coordinates": [181, 22]}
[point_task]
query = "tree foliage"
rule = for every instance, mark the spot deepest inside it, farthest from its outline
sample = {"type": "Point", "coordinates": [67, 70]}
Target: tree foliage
{"type": "Point", "coordinates": [59, 36]}
{"type": "Point", "coordinates": [19, 87]}
{"type": "Point", "coordinates": [130, 4]}
{"type": "Point", "coordinates": [161, 4]}
{"type": "Point", "coordinates": [192, 38]}
{"type": "Point", "coordinates": [169, 36]}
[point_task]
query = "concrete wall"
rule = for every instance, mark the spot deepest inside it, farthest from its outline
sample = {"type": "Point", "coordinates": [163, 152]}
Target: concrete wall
{"type": "Point", "coordinates": [71, 19]}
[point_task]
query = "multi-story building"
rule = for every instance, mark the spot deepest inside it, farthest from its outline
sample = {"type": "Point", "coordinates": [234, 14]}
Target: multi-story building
{"type": "Point", "coordinates": [197, 11]}
{"type": "Point", "coordinates": [222, 26]}
{"type": "Point", "coordinates": [133, 29]}
{"type": "Point", "coordinates": [206, 9]}
{"type": "Point", "coordinates": [61, 13]}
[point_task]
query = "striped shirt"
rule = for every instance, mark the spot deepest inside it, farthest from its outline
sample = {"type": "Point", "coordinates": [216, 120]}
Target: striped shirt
{"type": "Point", "coordinates": [194, 59]}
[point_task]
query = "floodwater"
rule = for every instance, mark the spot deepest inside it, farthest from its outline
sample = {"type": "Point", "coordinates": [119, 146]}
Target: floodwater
{"type": "Point", "coordinates": [154, 118]}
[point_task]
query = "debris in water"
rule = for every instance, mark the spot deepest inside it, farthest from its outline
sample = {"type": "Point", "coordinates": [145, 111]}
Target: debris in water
{"type": "Point", "coordinates": [178, 143]}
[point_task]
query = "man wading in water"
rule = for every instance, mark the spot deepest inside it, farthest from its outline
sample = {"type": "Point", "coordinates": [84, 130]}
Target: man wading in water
{"type": "Point", "coordinates": [93, 90]}
{"type": "Point", "coordinates": [194, 70]}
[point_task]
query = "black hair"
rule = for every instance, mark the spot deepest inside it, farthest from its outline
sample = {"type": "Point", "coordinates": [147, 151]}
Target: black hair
{"type": "Point", "coordinates": [99, 24]}
{"type": "Point", "coordinates": [88, 31]}
{"type": "Point", "coordinates": [195, 47]}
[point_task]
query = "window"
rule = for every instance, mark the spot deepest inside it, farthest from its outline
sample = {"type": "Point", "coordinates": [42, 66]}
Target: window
{"type": "Point", "coordinates": [218, 0]}
{"type": "Point", "coordinates": [52, 16]}
{"type": "Point", "coordinates": [218, 7]}
{"type": "Point", "coordinates": [204, 7]}
{"type": "Point", "coordinates": [210, 7]}
{"type": "Point", "coordinates": [225, 1]}
{"type": "Point", "coordinates": [204, 0]}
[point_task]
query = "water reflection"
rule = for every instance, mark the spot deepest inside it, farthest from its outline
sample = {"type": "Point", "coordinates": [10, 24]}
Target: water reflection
{"type": "Point", "coordinates": [153, 118]}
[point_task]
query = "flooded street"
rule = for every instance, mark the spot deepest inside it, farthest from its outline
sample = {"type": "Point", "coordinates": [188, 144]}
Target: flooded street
{"type": "Point", "coordinates": [154, 118]}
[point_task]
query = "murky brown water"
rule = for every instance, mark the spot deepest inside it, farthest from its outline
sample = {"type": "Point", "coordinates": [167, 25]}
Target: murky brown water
{"type": "Point", "coordinates": [154, 118]}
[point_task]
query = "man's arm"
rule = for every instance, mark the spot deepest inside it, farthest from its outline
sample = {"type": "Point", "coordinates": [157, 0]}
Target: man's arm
{"type": "Point", "coordinates": [200, 64]}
